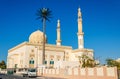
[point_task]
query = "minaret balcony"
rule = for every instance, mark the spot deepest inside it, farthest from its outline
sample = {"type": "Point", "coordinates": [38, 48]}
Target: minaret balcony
{"type": "Point", "coordinates": [58, 40]}
{"type": "Point", "coordinates": [80, 33]}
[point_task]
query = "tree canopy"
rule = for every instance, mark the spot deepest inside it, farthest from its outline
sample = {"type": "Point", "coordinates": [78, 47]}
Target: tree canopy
{"type": "Point", "coordinates": [2, 64]}
{"type": "Point", "coordinates": [111, 62]}
{"type": "Point", "coordinates": [86, 61]}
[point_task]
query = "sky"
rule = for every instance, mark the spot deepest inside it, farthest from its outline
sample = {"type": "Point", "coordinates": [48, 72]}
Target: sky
{"type": "Point", "coordinates": [101, 24]}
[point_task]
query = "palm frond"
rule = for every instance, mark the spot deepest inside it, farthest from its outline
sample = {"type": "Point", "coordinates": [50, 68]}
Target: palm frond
{"type": "Point", "coordinates": [43, 13]}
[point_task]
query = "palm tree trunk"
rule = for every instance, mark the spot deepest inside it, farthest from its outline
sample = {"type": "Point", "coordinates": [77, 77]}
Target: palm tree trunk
{"type": "Point", "coordinates": [44, 27]}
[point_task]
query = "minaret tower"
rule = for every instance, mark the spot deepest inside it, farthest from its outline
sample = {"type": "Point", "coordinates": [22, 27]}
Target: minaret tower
{"type": "Point", "coordinates": [58, 41]}
{"type": "Point", "coordinates": [80, 33]}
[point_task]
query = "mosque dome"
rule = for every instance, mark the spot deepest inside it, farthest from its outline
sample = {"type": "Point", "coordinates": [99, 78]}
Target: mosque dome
{"type": "Point", "coordinates": [36, 37]}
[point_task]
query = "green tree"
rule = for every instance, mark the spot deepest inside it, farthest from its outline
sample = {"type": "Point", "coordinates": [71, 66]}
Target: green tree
{"type": "Point", "coordinates": [111, 62]}
{"type": "Point", "coordinates": [44, 14]}
{"type": "Point", "coordinates": [86, 61]}
{"type": "Point", "coordinates": [2, 64]}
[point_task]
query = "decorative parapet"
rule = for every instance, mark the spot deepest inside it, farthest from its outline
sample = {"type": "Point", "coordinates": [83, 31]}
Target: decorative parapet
{"type": "Point", "coordinates": [82, 50]}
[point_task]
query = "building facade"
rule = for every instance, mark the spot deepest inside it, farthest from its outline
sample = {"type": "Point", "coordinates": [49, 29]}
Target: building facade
{"type": "Point", "coordinates": [29, 54]}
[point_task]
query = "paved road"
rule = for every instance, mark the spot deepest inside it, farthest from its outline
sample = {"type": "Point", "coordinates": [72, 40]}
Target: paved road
{"type": "Point", "coordinates": [4, 76]}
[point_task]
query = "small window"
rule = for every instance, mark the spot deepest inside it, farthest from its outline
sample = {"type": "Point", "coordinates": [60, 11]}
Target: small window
{"type": "Point", "coordinates": [31, 61]}
{"type": "Point", "coordinates": [45, 62]}
{"type": "Point", "coordinates": [51, 62]}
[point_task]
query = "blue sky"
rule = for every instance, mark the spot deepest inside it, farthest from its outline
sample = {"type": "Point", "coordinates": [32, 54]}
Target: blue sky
{"type": "Point", "coordinates": [101, 24]}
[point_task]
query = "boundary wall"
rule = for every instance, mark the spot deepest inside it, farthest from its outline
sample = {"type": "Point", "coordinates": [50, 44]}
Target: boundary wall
{"type": "Point", "coordinates": [81, 73]}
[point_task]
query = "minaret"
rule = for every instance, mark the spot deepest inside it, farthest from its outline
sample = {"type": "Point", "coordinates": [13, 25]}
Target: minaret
{"type": "Point", "coordinates": [80, 33]}
{"type": "Point", "coordinates": [58, 41]}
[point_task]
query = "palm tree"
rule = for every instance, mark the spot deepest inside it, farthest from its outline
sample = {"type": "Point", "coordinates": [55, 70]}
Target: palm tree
{"type": "Point", "coordinates": [43, 14]}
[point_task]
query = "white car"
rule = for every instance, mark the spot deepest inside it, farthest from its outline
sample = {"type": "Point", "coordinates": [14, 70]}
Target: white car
{"type": "Point", "coordinates": [30, 73]}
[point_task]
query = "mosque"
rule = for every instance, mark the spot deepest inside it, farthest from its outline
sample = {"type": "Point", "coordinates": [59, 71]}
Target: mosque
{"type": "Point", "coordinates": [30, 54]}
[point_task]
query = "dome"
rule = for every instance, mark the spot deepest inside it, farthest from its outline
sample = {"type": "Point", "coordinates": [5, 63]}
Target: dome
{"type": "Point", "coordinates": [36, 37]}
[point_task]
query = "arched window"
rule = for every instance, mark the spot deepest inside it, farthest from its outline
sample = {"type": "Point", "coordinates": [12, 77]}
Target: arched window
{"type": "Point", "coordinates": [31, 61]}
{"type": "Point", "coordinates": [51, 62]}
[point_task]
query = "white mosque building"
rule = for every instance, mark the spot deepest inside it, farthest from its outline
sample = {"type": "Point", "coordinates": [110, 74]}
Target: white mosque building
{"type": "Point", "coordinates": [29, 54]}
